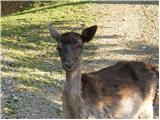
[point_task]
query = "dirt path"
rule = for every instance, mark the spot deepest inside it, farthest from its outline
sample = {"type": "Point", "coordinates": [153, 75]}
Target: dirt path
{"type": "Point", "coordinates": [126, 32]}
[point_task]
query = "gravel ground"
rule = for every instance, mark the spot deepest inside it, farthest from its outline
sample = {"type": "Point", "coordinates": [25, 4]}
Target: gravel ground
{"type": "Point", "coordinates": [125, 32]}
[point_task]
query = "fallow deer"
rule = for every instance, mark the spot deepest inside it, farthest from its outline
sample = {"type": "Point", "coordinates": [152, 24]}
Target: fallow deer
{"type": "Point", "coordinates": [124, 90]}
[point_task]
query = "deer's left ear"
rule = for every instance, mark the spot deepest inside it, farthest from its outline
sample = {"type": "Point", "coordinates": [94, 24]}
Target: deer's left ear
{"type": "Point", "coordinates": [88, 33]}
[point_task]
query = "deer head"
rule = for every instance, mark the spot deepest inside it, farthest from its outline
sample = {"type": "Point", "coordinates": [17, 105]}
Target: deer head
{"type": "Point", "coordinates": [70, 45]}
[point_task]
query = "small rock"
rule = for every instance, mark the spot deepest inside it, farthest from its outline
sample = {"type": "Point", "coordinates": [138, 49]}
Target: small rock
{"type": "Point", "coordinates": [14, 97]}
{"type": "Point", "coordinates": [144, 47]}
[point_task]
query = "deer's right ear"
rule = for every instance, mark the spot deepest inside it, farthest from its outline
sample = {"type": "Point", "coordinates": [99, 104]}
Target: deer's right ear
{"type": "Point", "coordinates": [53, 31]}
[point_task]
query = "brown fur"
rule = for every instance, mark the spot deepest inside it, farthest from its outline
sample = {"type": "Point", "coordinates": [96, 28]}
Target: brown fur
{"type": "Point", "coordinates": [119, 83]}
{"type": "Point", "coordinates": [124, 90]}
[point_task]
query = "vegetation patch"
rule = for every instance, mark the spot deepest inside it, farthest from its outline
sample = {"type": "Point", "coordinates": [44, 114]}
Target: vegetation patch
{"type": "Point", "coordinates": [30, 63]}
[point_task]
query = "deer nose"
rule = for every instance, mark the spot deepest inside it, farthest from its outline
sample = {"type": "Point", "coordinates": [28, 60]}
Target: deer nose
{"type": "Point", "coordinates": [68, 65]}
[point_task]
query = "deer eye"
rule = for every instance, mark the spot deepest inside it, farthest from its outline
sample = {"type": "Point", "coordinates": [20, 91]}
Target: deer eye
{"type": "Point", "coordinates": [79, 46]}
{"type": "Point", "coordinates": [58, 48]}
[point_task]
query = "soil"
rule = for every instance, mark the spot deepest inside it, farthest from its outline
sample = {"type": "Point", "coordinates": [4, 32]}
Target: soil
{"type": "Point", "coordinates": [128, 32]}
{"type": "Point", "coordinates": [125, 32]}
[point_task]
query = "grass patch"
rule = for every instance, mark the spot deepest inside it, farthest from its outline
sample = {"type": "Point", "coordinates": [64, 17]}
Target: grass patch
{"type": "Point", "coordinates": [25, 32]}
{"type": "Point", "coordinates": [29, 54]}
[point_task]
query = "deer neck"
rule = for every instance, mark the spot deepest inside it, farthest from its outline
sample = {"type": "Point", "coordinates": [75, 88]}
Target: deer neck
{"type": "Point", "coordinates": [72, 92]}
{"type": "Point", "coordinates": [74, 81]}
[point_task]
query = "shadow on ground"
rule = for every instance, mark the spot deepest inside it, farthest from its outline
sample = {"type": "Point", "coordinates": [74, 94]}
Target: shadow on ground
{"type": "Point", "coordinates": [35, 37]}
{"type": "Point", "coordinates": [39, 102]}
{"type": "Point", "coordinates": [22, 87]}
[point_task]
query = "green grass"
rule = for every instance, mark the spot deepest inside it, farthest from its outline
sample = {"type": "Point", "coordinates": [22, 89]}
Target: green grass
{"type": "Point", "coordinates": [29, 54]}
